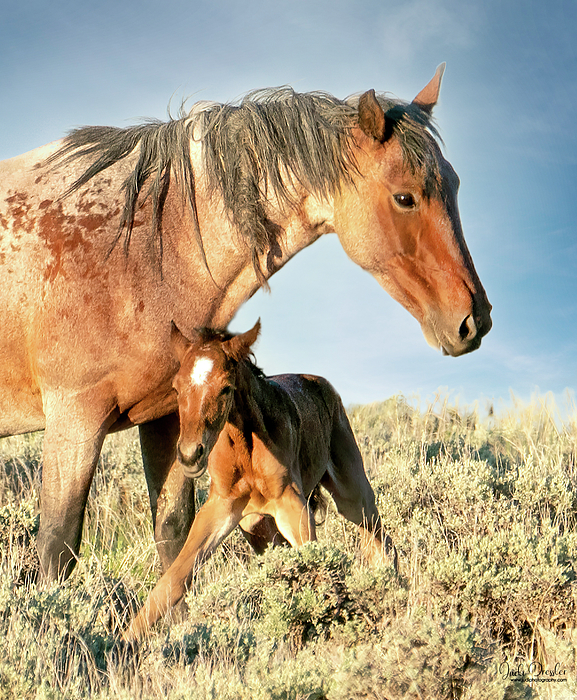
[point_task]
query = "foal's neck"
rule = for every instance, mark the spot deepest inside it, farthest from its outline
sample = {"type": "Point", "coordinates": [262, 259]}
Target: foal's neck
{"type": "Point", "coordinates": [248, 413]}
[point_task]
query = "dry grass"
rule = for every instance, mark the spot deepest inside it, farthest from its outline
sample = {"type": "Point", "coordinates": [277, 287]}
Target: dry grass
{"type": "Point", "coordinates": [483, 512]}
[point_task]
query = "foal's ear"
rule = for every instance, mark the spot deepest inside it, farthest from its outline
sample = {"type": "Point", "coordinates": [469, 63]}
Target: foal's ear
{"type": "Point", "coordinates": [178, 342]}
{"type": "Point", "coordinates": [371, 116]}
{"type": "Point", "coordinates": [429, 95]}
{"type": "Point", "coordinates": [239, 347]}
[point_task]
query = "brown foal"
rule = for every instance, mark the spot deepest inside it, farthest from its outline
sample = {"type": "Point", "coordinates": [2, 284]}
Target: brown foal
{"type": "Point", "coordinates": [268, 442]}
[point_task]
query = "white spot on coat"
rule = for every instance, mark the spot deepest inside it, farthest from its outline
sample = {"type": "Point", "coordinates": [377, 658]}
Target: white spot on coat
{"type": "Point", "coordinates": [201, 370]}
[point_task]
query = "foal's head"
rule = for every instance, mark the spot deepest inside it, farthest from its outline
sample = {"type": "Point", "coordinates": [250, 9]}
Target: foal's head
{"type": "Point", "coordinates": [205, 384]}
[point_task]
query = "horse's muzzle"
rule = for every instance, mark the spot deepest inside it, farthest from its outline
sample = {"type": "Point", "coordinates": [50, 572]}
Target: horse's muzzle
{"type": "Point", "coordinates": [192, 465]}
{"type": "Point", "coordinates": [457, 334]}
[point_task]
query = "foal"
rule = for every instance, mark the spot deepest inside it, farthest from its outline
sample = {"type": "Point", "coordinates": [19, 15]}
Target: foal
{"type": "Point", "coordinates": [268, 442]}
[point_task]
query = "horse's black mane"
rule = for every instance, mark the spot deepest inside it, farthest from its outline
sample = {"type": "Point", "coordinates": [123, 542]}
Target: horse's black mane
{"type": "Point", "coordinates": [264, 147]}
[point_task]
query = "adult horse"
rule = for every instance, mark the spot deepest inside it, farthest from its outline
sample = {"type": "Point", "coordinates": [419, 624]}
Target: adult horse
{"type": "Point", "coordinates": [111, 234]}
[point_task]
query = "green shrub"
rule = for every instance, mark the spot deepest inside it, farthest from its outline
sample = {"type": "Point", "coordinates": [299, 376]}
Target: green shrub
{"type": "Point", "coordinates": [483, 512]}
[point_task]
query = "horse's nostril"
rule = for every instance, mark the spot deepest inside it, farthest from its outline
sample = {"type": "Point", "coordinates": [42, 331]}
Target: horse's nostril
{"type": "Point", "coordinates": [190, 459]}
{"type": "Point", "coordinates": [468, 329]}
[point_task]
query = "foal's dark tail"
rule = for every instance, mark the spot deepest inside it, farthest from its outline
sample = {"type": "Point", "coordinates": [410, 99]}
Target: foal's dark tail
{"type": "Point", "coordinates": [318, 501]}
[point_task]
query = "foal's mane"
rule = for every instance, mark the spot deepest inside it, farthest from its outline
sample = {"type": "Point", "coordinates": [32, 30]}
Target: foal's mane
{"type": "Point", "coordinates": [261, 148]}
{"type": "Point", "coordinates": [205, 336]}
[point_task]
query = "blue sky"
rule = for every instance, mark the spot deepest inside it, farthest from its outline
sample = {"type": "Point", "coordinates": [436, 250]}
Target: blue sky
{"type": "Point", "coordinates": [507, 116]}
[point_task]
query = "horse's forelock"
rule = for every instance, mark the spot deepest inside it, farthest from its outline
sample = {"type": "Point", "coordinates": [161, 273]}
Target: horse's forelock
{"type": "Point", "coordinates": [416, 132]}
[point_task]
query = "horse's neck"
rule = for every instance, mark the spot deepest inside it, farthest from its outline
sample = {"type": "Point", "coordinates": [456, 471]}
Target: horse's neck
{"type": "Point", "coordinates": [228, 278]}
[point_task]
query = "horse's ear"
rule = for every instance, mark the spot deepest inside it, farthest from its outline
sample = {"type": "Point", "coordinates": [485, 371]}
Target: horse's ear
{"type": "Point", "coordinates": [429, 95]}
{"type": "Point", "coordinates": [178, 342]}
{"type": "Point", "coordinates": [371, 116]}
{"type": "Point", "coordinates": [240, 346]}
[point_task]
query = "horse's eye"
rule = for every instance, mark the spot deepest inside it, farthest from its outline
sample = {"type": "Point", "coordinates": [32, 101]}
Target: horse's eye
{"type": "Point", "coordinates": [226, 390]}
{"type": "Point", "coordinates": [405, 201]}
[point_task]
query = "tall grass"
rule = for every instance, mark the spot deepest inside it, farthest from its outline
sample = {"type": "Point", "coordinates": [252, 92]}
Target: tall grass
{"type": "Point", "coordinates": [482, 510]}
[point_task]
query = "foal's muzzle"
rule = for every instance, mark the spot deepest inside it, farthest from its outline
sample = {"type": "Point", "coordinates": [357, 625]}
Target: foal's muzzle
{"type": "Point", "coordinates": [191, 463]}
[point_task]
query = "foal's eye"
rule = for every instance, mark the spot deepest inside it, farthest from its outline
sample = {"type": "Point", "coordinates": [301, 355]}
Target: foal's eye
{"type": "Point", "coordinates": [405, 201]}
{"type": "Point", "coordinates": [225, 391]}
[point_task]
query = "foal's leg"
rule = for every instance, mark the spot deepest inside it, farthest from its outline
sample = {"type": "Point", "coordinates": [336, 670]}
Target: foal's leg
{"type": "Point", "coordinates": [214, 521]}
{"type": "Point", "coordinates": [171, 493]}
{"type": "Point", "coordinates": [293, 517]}
{"type": "Point", "coordinates": [75, 430]}
{"type": "Point", "coordinates": [347, 483]}
{"type": "Point", "coordinates": [355, 501]}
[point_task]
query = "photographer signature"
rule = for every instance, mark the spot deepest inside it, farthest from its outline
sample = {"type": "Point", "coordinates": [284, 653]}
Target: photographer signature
{"type": "Point", "coordinates": [535, 671]}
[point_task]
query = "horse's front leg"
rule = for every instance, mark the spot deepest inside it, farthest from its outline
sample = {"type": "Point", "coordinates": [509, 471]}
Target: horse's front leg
{"type": "Point", "coordinates": [215, 520]}
{"type": "Point", "coordinates": [75, 430]}
{"type": "Point", "coordinates": [171, 492]}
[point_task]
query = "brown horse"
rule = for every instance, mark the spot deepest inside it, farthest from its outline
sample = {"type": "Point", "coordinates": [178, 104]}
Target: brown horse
{"type": "Point", "coordinates": [268, 442]}
{"type": "Point", "coordinates": [110, 234]}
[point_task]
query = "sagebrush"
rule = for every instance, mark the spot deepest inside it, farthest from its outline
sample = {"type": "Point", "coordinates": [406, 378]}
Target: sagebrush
{"type": "Point", "coordinates": [483, 513]}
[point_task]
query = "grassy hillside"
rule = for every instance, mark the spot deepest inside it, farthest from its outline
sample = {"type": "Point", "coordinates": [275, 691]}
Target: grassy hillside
{"type": "Point", "coordinates": [483, 513]}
